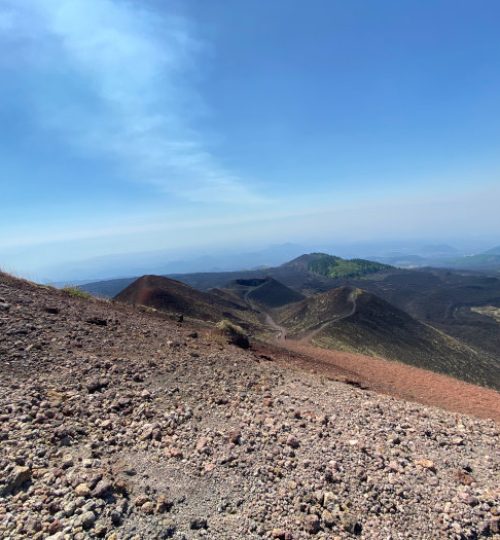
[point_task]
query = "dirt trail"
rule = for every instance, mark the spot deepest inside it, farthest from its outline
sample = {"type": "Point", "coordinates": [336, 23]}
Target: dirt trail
{"type": "Point", "coordinates": [281, 330]}
{"type": "Point", "coordinates": [305, 340]}
{"type": "Point", "coordinates": [397, 379]}
{"type": "Point", "coordinates": [388, 377]}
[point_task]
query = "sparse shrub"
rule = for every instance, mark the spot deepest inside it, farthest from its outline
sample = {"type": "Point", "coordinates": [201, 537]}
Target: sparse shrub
{"type": "Point", "coordinates": [234, 334]}
{"type": "Point", "coordinates": [76, 292]}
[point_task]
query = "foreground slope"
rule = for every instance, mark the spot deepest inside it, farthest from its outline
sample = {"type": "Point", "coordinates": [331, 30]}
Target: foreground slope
{"type": "Point", "coordinates": [118, 423]}
{"type": "Point", "coordinates": [351, 319]}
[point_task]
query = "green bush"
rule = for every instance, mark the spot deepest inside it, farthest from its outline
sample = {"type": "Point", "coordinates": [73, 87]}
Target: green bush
{"type": "Point", "coordinates": [234, 333]}
{"type": "Point", "coordinates": [76, 292]}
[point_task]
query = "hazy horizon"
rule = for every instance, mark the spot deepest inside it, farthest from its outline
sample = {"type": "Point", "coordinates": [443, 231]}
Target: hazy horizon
{"type": "Point", "coordinates": [201, 129]}
{"type": "Point", "coordinates": [236, 257]}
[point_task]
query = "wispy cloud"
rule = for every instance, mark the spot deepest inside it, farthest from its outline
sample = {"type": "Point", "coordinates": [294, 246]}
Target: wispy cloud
{"type": "Point", "coordinates": [116, 80]}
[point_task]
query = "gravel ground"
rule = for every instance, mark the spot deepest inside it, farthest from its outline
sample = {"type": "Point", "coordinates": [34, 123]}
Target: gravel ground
{"type": "Point", "coordinates": [122, 424]}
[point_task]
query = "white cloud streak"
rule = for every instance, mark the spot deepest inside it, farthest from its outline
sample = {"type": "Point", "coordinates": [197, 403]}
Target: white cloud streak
{"type": "Point", "coordinates": [117, 82]}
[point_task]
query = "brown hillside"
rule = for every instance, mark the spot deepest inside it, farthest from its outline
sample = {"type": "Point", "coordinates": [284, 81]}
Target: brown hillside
{"type": "Point", "coordinates": [351, 319]}
{"type": "Point", "coordinates": [175, 297]}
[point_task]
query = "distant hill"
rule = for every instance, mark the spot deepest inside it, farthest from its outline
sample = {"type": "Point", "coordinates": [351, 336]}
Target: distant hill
{"type": "Point", "coordinates": [108, 288]}
{"type": "Point", "coordinates": [173, 296]}
{"type": "Point", "coordinates": [308, 274]}
{"type": "Point", "coordinates": [444, 298]}
{"type": "Point", "coordinates": [266, 292]}
{"type": "Point", "coordinates": [433, 318]}
{"type": "Point", "coordinates": [482, 261]}
{"type": "Point", "coordinates": [352, 319]}
{"type": "Point", "coordinates": [487, 261]}
{"type": "Point", "coordinates": [335, 267]}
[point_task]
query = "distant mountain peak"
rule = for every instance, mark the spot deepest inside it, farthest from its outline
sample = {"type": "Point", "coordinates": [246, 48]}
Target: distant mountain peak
{"type": "Point", "coordinates": [335, 267]}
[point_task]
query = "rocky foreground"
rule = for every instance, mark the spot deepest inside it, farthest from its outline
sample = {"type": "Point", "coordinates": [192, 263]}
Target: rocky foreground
{"type": "Point", "coordinates": [122, 424]}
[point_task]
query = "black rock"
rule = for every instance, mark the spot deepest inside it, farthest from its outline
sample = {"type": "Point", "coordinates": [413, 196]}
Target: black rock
{"type": "Point", "coordinates": [97, 321]}
{"type": "Point", "coordinates": [198, 523]}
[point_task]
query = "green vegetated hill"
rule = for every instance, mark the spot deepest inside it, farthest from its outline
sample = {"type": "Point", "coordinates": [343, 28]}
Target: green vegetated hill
{"type": "Point", "coordinates": [172, 296]}
{"type": "Point", "coordinates": [307, 274]}
{"type": "Point", "coordinates": [336, 267]}
{"type": "Point", "coordinates": [352, 319]}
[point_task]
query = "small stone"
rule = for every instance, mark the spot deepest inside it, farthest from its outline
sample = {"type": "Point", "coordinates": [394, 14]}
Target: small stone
{"type": "Point", "coordinates": [96, 385]}
{"type": "Point", "coordinates": [82, 490]}
{"type": "Point", "coordinates": [19, 476]}
{"type": "Point", "coordinates": [312, 523]}
{"type": "Point", "coordinates": [140, 500]}
{"type": "Point", "coordinates": [58, 536]}
{"type": "Point", "coordinates": [106, 424]}
{"type": "Point", "coordinates": [87, 520]}
{"type": "Point", "coordinates": [148, 507]}
{"type": "Point", "coordinates": [426, 464]}
{"type": "Point", "coordinates": [173, 452]}
{"type": "Point", "coordinates": [97, 321]}
{"type": "Point", "coordinates": [328, 519]}
{"type": "Point", "coordinates": [116, 518]}
{"type": "Point", "coordinates": [103, 488]}
{"type": "Point", "coordinates": [491, 527]}
{"type": "Point", "coordinates": [198, 523]}
{"type": "Point", "coordinates": [464, 478]}
{"type": "Point", "coordinates": [100, 529]}
{"type": "Point", "coordinates": [292, 441]}
{"type": "Point", "coordinates": [67, 461]}
{"type": "Point", "coordinates": [235, 436]}
{"type": "Point", "coordinates": [281, 534]}
{"type": "Point", "coordinates": [202, 445]}
{"type": "Point", "coordinates": [163, 504]}
{"type": "Point", "coordinates": [350, 523]}
{"type": "Point", "coordinates": [168, 528]}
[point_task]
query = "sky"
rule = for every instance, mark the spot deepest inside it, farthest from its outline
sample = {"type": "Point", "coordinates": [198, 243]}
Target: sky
{"type": "Point", "coordinates": [193, 126]}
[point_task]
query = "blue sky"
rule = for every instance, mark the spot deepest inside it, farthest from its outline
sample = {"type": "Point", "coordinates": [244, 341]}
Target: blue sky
{"type": "Point", "coordinates": [130, 125]}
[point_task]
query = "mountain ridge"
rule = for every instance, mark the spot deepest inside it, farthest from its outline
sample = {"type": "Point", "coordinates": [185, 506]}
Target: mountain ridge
{"type": "Point", "coordinates": [352, 319]}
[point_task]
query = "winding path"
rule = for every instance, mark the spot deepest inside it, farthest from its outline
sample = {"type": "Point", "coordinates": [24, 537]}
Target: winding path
{"type": "Point", "coordinates": [386, 376]}
{"type": "Point", "coordinates": [310, 335]}
{"type": "Point", "coordinates": [280, 330]}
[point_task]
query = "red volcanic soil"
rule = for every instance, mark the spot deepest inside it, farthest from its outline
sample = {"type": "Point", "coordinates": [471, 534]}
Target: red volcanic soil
{"type": "Point", "coordinates": [175, 297]}
{"type": "Point", "coordinates": [393, 378]}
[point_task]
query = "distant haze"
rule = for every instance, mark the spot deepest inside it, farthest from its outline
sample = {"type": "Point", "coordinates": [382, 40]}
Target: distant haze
{"type": "Point", "coordinates": [164, 262]}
